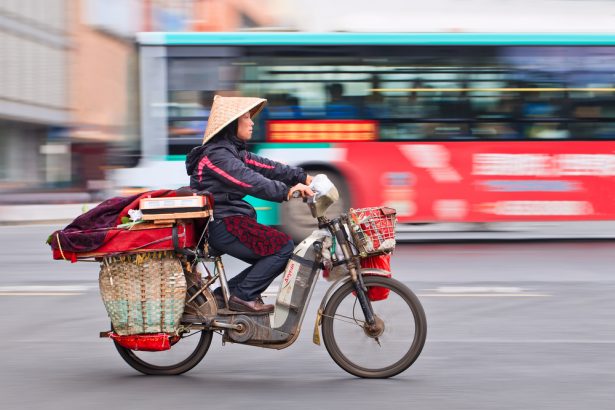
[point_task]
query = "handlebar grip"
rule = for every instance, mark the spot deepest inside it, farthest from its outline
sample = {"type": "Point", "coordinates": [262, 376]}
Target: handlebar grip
{"type": "Point", "coordinates": [296, 194]}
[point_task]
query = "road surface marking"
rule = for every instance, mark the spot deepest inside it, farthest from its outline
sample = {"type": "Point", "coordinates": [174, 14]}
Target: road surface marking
{"type": "Point", "coordinates": [478, 289]}
{"type": "Point", "coordinates": [527, 341]}
{"type": "Point", "coordinates": [39, 290]}
{"type": "Point", "coordinates": [484, 295]}
{"type": "Point", "coordinates": [481, 291]}
{"type": "Point", "coordinates": [40, 294]}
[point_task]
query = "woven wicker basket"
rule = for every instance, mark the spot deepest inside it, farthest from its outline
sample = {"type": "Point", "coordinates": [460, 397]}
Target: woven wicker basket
{"type": "Point", "coordinates": [143, 293]}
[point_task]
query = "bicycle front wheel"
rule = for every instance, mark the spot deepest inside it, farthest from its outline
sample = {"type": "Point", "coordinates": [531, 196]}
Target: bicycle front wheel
{"type": "Point", "coordinates": [382, 351]}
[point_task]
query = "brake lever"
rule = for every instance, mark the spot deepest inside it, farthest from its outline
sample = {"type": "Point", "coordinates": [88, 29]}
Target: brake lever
{"type": "Point", "coordinates": [297, 194]}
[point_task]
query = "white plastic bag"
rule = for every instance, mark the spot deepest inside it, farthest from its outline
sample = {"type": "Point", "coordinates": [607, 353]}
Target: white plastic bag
{"type": "Point", "coordinates": [321, 185]}
{"type": "Point", "coordinates": [135, 214]}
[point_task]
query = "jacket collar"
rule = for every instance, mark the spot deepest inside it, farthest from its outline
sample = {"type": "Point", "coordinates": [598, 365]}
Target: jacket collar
{"type": "Point", "coordinates": [239, 144]}
{"type": "Point", "coordinates": [231, 140]}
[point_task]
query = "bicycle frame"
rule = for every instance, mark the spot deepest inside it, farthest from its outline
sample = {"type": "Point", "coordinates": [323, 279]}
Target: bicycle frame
{"type": "Point", "coordinates": [281, 328]}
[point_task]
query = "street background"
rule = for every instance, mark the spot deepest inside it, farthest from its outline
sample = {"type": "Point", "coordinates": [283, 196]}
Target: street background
{"type": "Point", "coordinates": [511, 326]}
{"type": "Point", "coordinates": [67, 121]}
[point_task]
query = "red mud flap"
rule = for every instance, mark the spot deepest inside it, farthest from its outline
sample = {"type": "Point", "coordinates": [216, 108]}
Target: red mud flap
{"type": "Point", "coordinates": [154, 342]}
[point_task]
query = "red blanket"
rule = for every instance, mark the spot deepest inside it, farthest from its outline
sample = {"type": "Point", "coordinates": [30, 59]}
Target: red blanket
{"type": "Point", "coordinates": [94, 233]}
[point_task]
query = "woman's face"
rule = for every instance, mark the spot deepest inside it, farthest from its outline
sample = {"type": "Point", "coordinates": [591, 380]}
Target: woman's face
{"type": "Point", "coordinates": [244, 127]}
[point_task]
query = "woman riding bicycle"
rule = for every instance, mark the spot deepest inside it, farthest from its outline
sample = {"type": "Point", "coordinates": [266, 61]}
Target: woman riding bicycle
{"type": "Point", "coordinates": [223, 167]}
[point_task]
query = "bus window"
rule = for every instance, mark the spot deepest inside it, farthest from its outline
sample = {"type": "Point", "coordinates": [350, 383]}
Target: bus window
{"type": "Point", "coordinates": [338, 104]}
{"type": "Point", "coordinates": [375, 104]}
{"type": "Point", "coordinates": [282, 106]}
{"type": "Point", "coordinates": [593, 130]}
{"type": "Point", "coordinates": [187, 114]}
{"type": "Point", "coordinates": [595, 118]}
{"type": "Point", "coordinates": [547, 130]}
{"type": "Point", "coordinates": [442, 93]}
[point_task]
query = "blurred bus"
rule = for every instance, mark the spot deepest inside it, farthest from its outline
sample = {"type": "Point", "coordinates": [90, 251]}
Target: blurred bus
{"type": "Point", "coordinates": [445, 127]}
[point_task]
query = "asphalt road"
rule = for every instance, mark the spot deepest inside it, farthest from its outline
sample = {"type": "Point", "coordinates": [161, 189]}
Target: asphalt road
{"type": "Point", "coordinates": [511, 326]}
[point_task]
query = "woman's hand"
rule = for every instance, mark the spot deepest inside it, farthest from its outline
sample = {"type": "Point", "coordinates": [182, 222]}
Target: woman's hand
{"type": "Point", "coordinates": [303, 190]}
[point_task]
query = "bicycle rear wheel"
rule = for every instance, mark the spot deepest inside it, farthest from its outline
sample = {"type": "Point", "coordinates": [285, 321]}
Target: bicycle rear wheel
{"type": "Point", "coordinates": [377, 353]}
{"type": "Point", "coordinates": [186, 353]}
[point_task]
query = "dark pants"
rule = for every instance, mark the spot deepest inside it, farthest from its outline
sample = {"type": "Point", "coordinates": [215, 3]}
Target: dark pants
{"type": "Point", "coordinates": [252, 281]}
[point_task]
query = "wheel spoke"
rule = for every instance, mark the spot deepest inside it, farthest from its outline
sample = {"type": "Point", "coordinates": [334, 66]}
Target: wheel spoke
{"type": "Point", "coordinates": [351, 320]}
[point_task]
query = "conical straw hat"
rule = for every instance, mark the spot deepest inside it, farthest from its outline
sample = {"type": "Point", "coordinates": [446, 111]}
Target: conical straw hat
{"type": "Point", "coordinates": [227, 109]}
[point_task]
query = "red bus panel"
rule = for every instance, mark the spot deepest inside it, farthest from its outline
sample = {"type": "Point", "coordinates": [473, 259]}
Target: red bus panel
{"type": "Point", "coordinates": [484, 181]}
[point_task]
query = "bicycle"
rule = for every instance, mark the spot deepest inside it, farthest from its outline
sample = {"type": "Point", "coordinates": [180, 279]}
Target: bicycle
{"type": "Point", "coordinates": [366, 337]}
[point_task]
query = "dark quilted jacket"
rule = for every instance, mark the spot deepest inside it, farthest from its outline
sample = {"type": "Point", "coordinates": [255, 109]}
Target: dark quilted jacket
{"type": "Point", "coordinates": [224, 168]}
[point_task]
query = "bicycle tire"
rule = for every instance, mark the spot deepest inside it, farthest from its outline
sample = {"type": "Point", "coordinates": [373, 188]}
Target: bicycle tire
{"type": "Point", "coordinates": [415, 347]}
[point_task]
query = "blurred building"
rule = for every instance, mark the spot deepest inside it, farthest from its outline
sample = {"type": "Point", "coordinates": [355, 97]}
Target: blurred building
{"type": "Point", "coordinates": [102, 83]}
{"type": "Point", "coordinates": [35, 45]}
{"type": "Point", "coordinates": [532, 16]}
{"type": "Point", "coordinates": [68, 81]}
{"type": "Point", "coordinates": [208, 15]}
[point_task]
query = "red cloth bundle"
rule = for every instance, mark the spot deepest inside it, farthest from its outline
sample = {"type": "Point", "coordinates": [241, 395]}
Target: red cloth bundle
{"type": "Point", "coordinates": [95, 233]}
{"type": "Point", "coordinates": [156, 342]}
{"type": "Point", "coordinates": [143, 240]}
{"type": "Point", "coordinates": [378, 262]}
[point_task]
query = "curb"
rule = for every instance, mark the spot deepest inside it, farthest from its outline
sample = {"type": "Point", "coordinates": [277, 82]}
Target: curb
{"type": "Point", "coordinates": [29, 214]}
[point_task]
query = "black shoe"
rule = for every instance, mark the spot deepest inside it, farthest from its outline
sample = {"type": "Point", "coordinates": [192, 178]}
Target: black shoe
{"type": "Point", "coordinates": [256, 306]}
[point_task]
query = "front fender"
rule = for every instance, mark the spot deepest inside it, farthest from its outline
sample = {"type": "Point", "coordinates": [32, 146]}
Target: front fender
{"type": "Point", "coordinates": [335, 286]}
{"type": "Point", "coordinates": [342, 281]}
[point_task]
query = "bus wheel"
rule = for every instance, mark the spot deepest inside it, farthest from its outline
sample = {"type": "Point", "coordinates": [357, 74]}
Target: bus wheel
{"type": "Point", "coordinates": [295, 216]}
